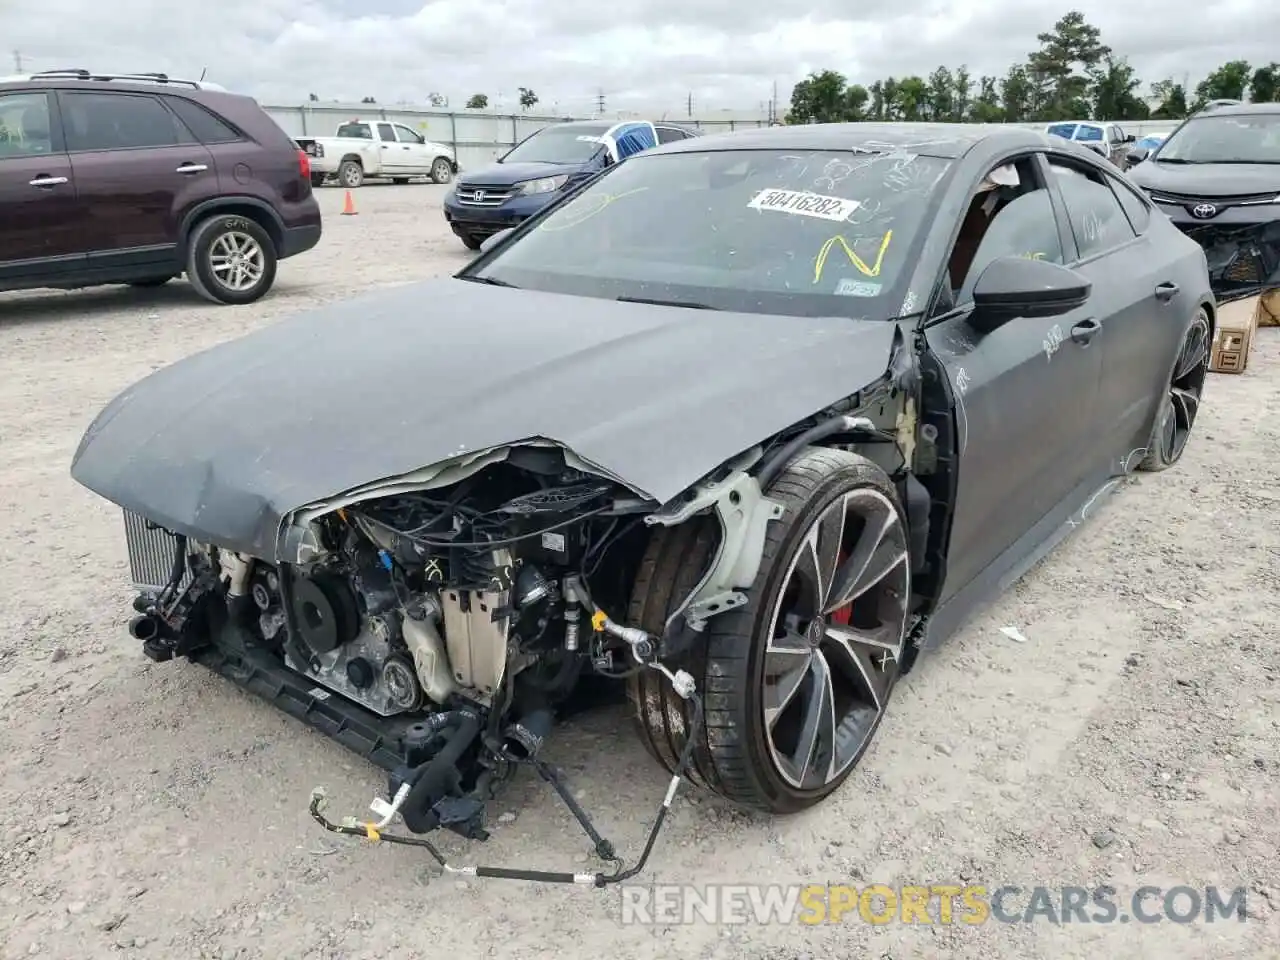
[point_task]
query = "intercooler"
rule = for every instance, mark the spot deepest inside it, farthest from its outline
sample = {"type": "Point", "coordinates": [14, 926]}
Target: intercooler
{"type": "Point", "coordinates": [151, 553]}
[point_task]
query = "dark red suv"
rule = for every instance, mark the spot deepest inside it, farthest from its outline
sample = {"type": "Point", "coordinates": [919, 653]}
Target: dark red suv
{"type": "Point", "coordinates": [110, 178]}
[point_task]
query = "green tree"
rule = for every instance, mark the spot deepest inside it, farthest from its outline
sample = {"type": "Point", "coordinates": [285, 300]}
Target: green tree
{"type": "Point", "coordinates": [986, 105]}
{"type": "Point", "coordinates": [820, 98]}
{"type": "Point", "coordinates": [1016, 94]}
{"type": "Point", "coordinates": [527, 98]}
{"type": "Point", "coordinates": [876, 110]}
{"type": "Point", "coordinates": [1265, 85]}
{"type": "Point", "coordinates": [1060, 70]}
{"type": "Point", "coordinates": [1171, 100]}
{"type": "Point", "coordinates": [1115, 91]}
{"type": "Point", "coordinates": [1228, 82]}
{"type": "Point", "coordinates": [940, 99]}
{"type": "Point", "coordinates": [478, 101]}
{"type": "Point", "coordinates": [855, 99]}
{"type": "Point", "coordinates": [960, 106]}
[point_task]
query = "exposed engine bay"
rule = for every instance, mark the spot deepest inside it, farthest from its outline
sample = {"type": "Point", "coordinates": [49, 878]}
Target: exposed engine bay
{"type": "Point", "coordinates": [1242, 258]}
{"type": "Point", "coordinates": [457, 618]}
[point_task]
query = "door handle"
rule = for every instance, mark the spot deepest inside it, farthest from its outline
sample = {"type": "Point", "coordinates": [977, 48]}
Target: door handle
{"type": "Point", "coordinates": [1166, 291]}
{"type": "Point", "coordinates": [191, 168]}
{"type": "Point", "coordinates": [44, 180]}
{"type": "Point", "coordinates": [1085, 330]}
{"type": "Point", "coordinates": [385, 147]}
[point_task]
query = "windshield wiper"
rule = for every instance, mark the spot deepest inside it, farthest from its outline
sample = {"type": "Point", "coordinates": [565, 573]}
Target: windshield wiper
{"type": "Point", "coordinates": [667, 303]}
{"type": "Point", "coordinates": [1250, 162]}
{"type": "Point", "coordinates": [492, 281]}
{"type": "Point", "coordinates": [1173, 160]}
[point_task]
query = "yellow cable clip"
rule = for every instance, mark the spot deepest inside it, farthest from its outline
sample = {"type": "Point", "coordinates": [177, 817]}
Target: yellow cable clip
{"type": "Point", "coordinates": [372, 833]}
{"type": "Point", "coordinates": [597, 620]}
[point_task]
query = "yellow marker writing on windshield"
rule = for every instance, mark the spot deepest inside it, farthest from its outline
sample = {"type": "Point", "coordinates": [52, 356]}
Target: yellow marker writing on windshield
{"type": "Point", "coordinates": [820, 260]}
{"type": "Point", "coordinates": [583, 209]}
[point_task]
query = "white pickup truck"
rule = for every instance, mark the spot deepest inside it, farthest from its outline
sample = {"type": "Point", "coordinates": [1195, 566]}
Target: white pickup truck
{"type": "Point", "coordinates": [377, 148]}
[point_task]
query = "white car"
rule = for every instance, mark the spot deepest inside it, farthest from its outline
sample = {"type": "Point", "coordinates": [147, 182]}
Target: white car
{"type": "Point", "coordinates": [360, 149]}
{"type": "Point", "coordinates": [1106, 139]}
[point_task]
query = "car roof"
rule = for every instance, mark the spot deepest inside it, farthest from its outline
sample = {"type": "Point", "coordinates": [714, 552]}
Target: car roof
{"type": "Point", "coordinates": [943, 140]}
{"type": "Point", "coordinates": [84, 80]}
{"type": "Point", "coordinates": [1242, 110]}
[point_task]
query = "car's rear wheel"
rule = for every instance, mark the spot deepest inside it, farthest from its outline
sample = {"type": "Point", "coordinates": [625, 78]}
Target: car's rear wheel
{"type": "Point", "coordinates": [231, 259]}
{"type": "Point", "coordinates": [1180, 402]}
{"type": "Point", "coordinates": [795, 682]}
{"type": "Point", "coordinates": [441, 170]}
{"type": "Point", "coordinates": [351, 173]}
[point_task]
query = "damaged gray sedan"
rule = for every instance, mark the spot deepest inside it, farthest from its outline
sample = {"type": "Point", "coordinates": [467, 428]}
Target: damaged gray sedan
{"type": "Point", "coordinates": [745, 424]}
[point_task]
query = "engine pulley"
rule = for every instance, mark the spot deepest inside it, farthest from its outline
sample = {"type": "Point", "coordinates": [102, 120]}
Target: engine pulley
{"type": "Point", "coordinates": [325, 613]}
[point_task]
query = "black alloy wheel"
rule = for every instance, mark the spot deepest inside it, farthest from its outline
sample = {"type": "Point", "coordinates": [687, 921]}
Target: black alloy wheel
{"type": "Point", "coordinates": [796, 681]}
{"type": "Point", "coordinates": [1181, 401]}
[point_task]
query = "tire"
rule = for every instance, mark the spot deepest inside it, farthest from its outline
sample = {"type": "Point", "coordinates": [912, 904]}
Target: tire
{"type": "Point", "coordinates": [1180, 402]}
{"type": "Point", "coordinates": [351, 174]}
{"type": "Point", "coordinates": [400, 181]}
{"type": "Point", "coordinates": [151, 282]}
{"type": "Point", "coordinates": [470, 242]}
{"type": "Point", "coordinates": [211, 257]}
{"type": "Point", "coordinates": [735, 756]}
{"type": "Point", "coordinates": [441, 170]}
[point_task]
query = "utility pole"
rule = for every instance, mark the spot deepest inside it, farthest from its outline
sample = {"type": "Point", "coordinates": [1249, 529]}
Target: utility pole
{"type": "Point", "coordinates": [600, 101]}
{"type": "Point", "coordinates": [690, 104]}
{"type": "Point", "coordinates": [17, 61]}
{"type": "Point", "coordinates": [773, 104]}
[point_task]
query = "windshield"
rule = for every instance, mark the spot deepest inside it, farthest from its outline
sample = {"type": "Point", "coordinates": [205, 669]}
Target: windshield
{"type": "Point", "coordinates": [1146, 143]}
{"type": "Point", "coordinates": [813, 233]}
{"type": "Point", "coordinates": [1064, 130]}
{"type": "Point", "coordinates": [1248, 138]}
{"type": "Point", "coordinates": [558, 145]}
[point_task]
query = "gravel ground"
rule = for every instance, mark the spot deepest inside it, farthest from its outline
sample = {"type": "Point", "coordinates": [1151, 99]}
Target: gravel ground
{"type": "Point", "coordinates": [155, 811]}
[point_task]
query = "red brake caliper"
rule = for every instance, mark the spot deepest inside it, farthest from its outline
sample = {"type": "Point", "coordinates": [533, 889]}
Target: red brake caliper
{"type": "Point", "coordinates": [841, 616]}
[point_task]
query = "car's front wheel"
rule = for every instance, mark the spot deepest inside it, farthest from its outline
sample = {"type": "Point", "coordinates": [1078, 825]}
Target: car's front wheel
{"type": "Point", "coordinates": [441, 170]}
{"type": "Point", "coordinates": [1180, 402]}
{"type": "Point", "coordinates": [795, 682]}
{"type": "Point", "coordinates": [231, 259]}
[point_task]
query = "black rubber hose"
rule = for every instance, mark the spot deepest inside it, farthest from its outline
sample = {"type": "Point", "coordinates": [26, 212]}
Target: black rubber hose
{"type": "Point", "coordinates": [437, 772]}
{"type": "Point", "coordinates": [778, 460]}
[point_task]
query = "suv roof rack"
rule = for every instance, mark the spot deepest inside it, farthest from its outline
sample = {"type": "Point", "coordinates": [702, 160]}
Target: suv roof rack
{"type": "Point", "coordinates": [82, 74]}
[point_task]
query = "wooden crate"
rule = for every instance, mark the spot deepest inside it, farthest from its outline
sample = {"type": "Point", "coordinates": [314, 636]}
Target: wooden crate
{"type": "Point", "coordinates": [1269, 309]}
{"type": "Point", "coordinates": [1233, 338]}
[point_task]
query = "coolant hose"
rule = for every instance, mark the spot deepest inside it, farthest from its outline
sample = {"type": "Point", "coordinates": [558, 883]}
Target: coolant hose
{"type": "Point", "coordinates": [438, 774]}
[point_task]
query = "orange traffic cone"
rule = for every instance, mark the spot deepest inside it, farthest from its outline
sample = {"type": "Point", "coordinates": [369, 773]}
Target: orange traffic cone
{"type": "Point", "coordinates": [349, 206]}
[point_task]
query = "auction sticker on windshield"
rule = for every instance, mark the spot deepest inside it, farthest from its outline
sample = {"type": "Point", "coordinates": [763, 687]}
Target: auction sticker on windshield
{"type": "Point", "coordinates": [804, 204]}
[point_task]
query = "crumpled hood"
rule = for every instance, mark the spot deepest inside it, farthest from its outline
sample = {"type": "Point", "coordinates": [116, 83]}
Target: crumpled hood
{"type": "Point", "coordinates": [223, 445]}
{"type": "Point", "coordinates": [1208, 180]}
{"type": "Point", "coordinates": [507, 174]}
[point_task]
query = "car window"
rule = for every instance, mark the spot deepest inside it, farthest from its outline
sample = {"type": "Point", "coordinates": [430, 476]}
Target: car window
{"type": "Point", "coordinates": [202, 122]}
{"type": "Point", "coordinates": [24, 125]}
{"type": "Point", "coordinates": [1024, 227]}
{"type": "Point", "coordinates": [355, 131]}
{"type": "Point", "coordinates": [668, 134]}
{"type": "Point", "coordinates": [386, 133]}
{"type": "Point", "coordinates": [118, 121]}
{"type": "Point", "coordinates": [1089, 134]}
{"type": "Point", "coordinates": [405, 135]}
{"type": "Point", "coordinates": [1097, 219]}
{"type": "Point", "coordinates": [569, 145]}
{"type": "Point", "coordinates": [1247, 138]}
{"type": "Point", "coordinates": [798, 232]}
{"type": "Point", "coordinates": [1135, 206]}
{"type": "Point", "coordinates": [1064, 130]}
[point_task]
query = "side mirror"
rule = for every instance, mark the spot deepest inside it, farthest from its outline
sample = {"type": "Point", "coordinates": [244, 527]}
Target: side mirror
{"type": "Point", "coordinates": [492, 241]}
{"type": "Point", "coordinates": [1013, 287]}
{"type": "Point", "coordinates": [1130, 138]}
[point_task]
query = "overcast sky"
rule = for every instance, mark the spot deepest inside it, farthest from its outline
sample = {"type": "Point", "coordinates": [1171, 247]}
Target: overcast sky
{"type": "Point", "coordinates": [727, 53]}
